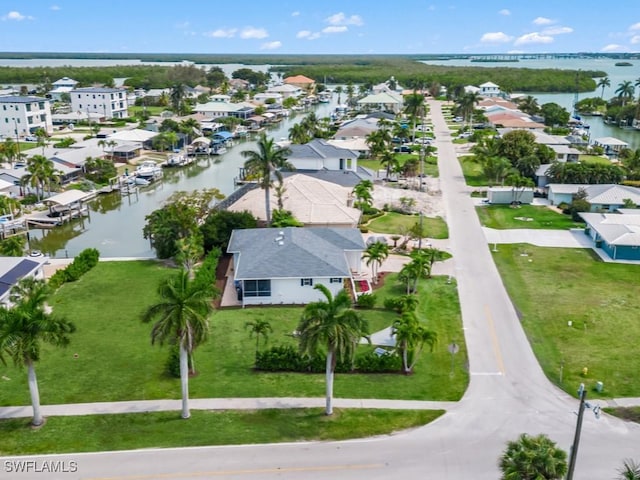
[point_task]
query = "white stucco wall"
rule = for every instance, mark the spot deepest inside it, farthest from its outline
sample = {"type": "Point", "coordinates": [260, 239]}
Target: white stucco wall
{"type": "Point", "coordinates": [289, 291]}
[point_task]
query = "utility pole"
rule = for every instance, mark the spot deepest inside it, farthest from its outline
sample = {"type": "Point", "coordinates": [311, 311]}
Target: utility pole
{"type": "Point", "coordinates": [576, 438]}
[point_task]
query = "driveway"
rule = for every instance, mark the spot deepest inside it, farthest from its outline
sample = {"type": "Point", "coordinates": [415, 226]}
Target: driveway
{"type": "Point", "coordinates": [574, 238]}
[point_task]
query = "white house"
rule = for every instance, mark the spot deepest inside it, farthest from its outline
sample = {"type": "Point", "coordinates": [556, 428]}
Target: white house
{"type": "Point", "coordinates": [62, 86]}
{"type": "Point", "coordinates": [218, 109]}
{"type": "Point", "coordinates": [22, 116]}
{"type": "Point", "coordinates": [286, 90]}
{"type": "Point", "coordinates": [282, 266]}
{"type": "Point", "coordinates": [385, 101]}
{"type": "Point", "coordinates": [13, 269]}
{"type": "Point", "coordinates": [489, 89]}
{"type": "Point", "coordinates": [111, 102]}
{"type": "Point", "coordinates": [321, 155]}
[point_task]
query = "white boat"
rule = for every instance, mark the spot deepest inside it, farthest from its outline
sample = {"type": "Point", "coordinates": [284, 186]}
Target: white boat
{"type": "Point", "coordinates": [148, 170]}
{"type": "Point", "coordinates": [175, 161]}
{"type": "Point", "coordinates": [219, 150]}
{"type": "Point", "coordinates": [143, 182]}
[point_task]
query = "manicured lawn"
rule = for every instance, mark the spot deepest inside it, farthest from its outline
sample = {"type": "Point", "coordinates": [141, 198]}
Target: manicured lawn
{"type": "Point", "coordinates": [472, 172]}
{"type": "Point", "coordinates": [111, 357]}
{"type": "Point", "coordinates": [133, 111]}
{"type": "Point", "coordinates": [595, 159]}
{"type": "Point", "coordinates": [551, 287]}
{"type": "Point", "coordinates": [525, 216]}
{"type": "Point", "coordinates": [166, 429]}
{"type": "Point", "coordinates": [392, 222]}
{"type": "Point", "coordinates": [430, 163]}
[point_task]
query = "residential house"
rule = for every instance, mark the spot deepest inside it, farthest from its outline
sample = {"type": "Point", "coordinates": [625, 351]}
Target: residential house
{"type": "Point", "coordinates": [611, 145]}
{"type": "Point", "coordinates": [319, 154]}
{"type": "Point", "coordinates": [357, 128]}
{"type": "Point", "coordinates": [282, 266]}
{"type": "Point", "coordinates": [302, 82]}
{"type": "Point", "coordinates": [21, 116]}
{"type": "Point", "coordinates": [312, 201]}
{"type": "Point", "coordinates": [513, 120]}
{"type": "Point", "coordinates": [489, 89]}
{"type": "Point", "coordinates": [13, 269]}
{"type": "Point", "coordinates": [136, 136]}
{"type": "Point", "coordinates": [61, 86]}
{"type": "Point", "coordinates": [111, 102]}
{"type": "Point", "coordinates": [384, 101]}
{"type": "Point", "coordinates": [239, 84]}
{"type": "Point", "coordinates": [606, 197]}
{"type": "Point", "coordinates": [219, 109]}
{"type": "Point", "coordinates": [617, 234]}
{"type": "Point", "coordinates": [286, 90]}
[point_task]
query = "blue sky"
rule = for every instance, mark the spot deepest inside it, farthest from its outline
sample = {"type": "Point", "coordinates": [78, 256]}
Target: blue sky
{"type": "Point", "coordinates": [316, 27]}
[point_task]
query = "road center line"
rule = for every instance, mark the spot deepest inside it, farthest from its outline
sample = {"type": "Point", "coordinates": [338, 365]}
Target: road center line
{"type": "Point", "coordinates": [494, 339]}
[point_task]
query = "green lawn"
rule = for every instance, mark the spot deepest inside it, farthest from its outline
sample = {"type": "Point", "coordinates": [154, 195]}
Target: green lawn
{"type": "Point", "coordinates": [166, 429]}
{"type": "Point", "coordinates": [594, 159]}
{"type": "Point", "coordinates": [472, 172]}
{"type": "Point", "coordinates": [133, 111]}
{"type": "Point", "coordinates": [553, 286]}
{"type": "Point", "coordinates": [430, 163]}
{"type": "Point", "coordinates": [111, 358]}
{"type": "Point", "coordinates": [525, 216]}
{"type": "Point", "coordinates": [396, 223]}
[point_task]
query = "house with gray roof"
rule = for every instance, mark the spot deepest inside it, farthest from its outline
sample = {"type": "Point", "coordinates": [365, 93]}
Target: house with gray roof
{"type": "Point", "coordinates": [13, 269]}
{"type": "Point", "coordinates": [617, 234]}
{"type": "Point", "coordinates": [384, 101]}
{"type": "Point", "coordinates": [607, 197]}
{"type": "Point", "coordinates": [281, 266]}
{"type": "Point", "coordinates": [358, 128]}
{"type": "Point", "coordinates": [319, 154]}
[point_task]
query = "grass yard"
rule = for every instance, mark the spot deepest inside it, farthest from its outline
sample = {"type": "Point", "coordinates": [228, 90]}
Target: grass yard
{"type": "Point", "coordinates": [594, 159]}
{"type": "Point", "coordinates": [553, 286]}
{"type": "Point", "coordinates": [395, 223]}
{"type": "Point", "coordinates": [134, 110]}
{"type": "Point", "coordinates": [430, 163]}
{"type": "Point", "coordinates": [525, 216]}
{"type": "Point", "coordinates": [93, 433]}
{"type": "Point", "coordinates": [472, 171]}
{"type": "Point", "coordinates": [111, 358]}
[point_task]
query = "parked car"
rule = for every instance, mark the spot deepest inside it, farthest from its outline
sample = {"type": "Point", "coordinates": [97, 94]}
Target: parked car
{"type": "Point", "coordinates": [30, 138]}
{"type": "Point", "coordinates": [403, 149]}
{"type": "Point", "coordinates": [465, 135]}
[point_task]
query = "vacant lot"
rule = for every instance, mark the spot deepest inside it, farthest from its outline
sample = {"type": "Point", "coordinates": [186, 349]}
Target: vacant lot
{"type": "Point", "coordinates": [397, 223]}
{"type": "Point", "coordinates": [524, 216]}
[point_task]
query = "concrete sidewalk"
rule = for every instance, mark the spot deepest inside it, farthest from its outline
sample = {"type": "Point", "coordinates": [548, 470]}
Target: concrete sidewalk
{"type": "Point", "coordinates": [142, 406]}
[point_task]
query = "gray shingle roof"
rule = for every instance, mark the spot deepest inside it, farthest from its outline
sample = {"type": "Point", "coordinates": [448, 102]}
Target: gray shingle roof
{"type": "Point", "coordinates": [615, 229]}
{"type": "Point", "coordinates": [293, 252]}
{"type": "Point", "coordinates": [21, 99]}
{"type": "Point", "coordinates": [319, 149]}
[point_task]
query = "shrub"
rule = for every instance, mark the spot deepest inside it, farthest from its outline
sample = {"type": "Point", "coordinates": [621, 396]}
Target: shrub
{"type": "Point", "coordinates": [85, 261]}
{"type": "Point", "coordinates": [366, 300]}
{"type": "Point", "coordinates": [371, 362]}
{"type": "Point", "coordinates": [173, 362]}
{"type": "Point", "coordinates": [364, 230]}
{"type": "Point", "coordinates": [206, 273]}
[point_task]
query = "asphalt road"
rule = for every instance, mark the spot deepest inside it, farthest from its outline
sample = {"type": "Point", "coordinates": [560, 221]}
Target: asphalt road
{"type": "Point", "coordinates": [508, 395]}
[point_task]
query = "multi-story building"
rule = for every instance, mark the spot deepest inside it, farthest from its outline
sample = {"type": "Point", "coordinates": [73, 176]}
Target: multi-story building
{"type": "Point", "coordinates": [21, 116]}
{"type": "Point", "coordinates": [109, 102]}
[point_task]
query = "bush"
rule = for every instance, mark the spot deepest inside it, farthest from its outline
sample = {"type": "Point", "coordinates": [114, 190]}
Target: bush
{"type": "Point", "coordinates": [85, 261]}
{"type": "Point", "coordinates": [206, 273]}
{"type": "Point", "coordinates": [173, 362]}
{"type": "Point", "coordinates": [366, 300]}
{"type": "Point", "coordinates": [374, 363]}
{"type": "Point", "coordinates": [363, 229]}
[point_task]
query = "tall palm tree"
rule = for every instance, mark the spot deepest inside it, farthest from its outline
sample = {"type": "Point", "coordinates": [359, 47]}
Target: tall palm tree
{"type": "Point", "coordinates": [189, 127]}
{"type": "Point", "coordinates": [362, 192]}
{"type": "Point", "coordinates": [375, 254]}
{"type": "Point", "coordinates": [332, 324]}
{"type": "Point", "coordinates": [177, 96]}
{"type": "Point", "coordinates": [411, 337]}
{"type": "Point", "coordinates": [533, 458]}
{"type": "Point", "coordinates": [339, 91]}
{"type": "Point", "coordinates": [40, 172]}
{"type": "Point", "coordinates": [467, 105]}
{"type": "Point", "coordinates": [603, 83]}
{"type": "Point", "coordinates": [268, 160]}
{"type": "Point", "coordinates": [260, 329]}
{"type": "Point", "coordinates": [181, 317]}
{"type": "Point", "coordinates": [625, 91]}
{"type": "Point", "coordinates": [25, 327]}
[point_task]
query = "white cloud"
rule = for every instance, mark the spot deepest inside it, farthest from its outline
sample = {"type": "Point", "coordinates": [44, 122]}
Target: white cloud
{"type": "Point", "coordinates": [505, 12]}
{"type": "Point", "coordinates": [182, 25]}
{"type": "Point", "coordinates": [341, 19]}
{"type": "Point", "coordinates": [222, 33]}
{"type": "Point", "coordinates": [542, 21]}
{"type": "Point", "coordinates": [635, 39]}
{"type": "Point", "coordinates": [515, 52]}
{"type": "Point", "coordinates": [533, 37]}
{"type": "Point", "coordinates": [335, 29]}
{"type": "Point", "coordinates": [54, 7]}
{"type": "Point", "coordinates": [295, 14]}
{"type": "Point", "coordinates": [271, 45]}
{"type": "Point", "coordinates": [13, 15]}
{"type": "Point", "coordinates": [495, 37]}
{"type": "Point", "coordinates": [303, 34]}
{"type": "Point", "coordinates": [635, 26]}
{"type": "Point", "coordinates": [556, 30]}
{"type": "Point", "coordinates": [252, 32]}
{"type": "Point", "coordinates": [612, 47]}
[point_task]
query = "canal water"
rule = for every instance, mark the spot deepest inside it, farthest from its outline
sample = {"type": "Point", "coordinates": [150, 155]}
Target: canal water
{"type": "Point", "coordinates": [115, 222]}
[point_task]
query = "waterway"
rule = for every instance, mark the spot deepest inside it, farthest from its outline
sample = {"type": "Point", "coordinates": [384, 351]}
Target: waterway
{"type": "Point", "coordinates": [115, 223]}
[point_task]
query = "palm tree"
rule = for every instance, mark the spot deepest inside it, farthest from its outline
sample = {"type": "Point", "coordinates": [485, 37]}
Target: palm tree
{"type": "Point", "coordinates": [259, 328]}
{"type": "Point", "coordinates": [625, 91]}
{"type": "Point", "coordinates": [411, 337]}
{"type": "Point", "coordinates": [189, 127]}
{"type": "Point", "coordinates": [40, 172]}
{"type": "Point", "coordinates": [298, 134]}
{"type": "Point", "coordinates": [182, 318]}
{"type": "Point", "coordinates": [177, 96]}
{"type": "Point", "coordinates": [268, 160]}
{"type": "Point", "coordinates": [334, 325]}
{"type": "Point", "coordinates": [362, 192]}
{"type": "Point", "coordinates": [339, 91]}
{"type": "Point", "coordinates": [533, 458]}
{"type": "Point", "coordinates": [467, 105]}
{"type": "Point", "coordinates": [630, 470]}
{"type": "Point", "coordinates": [375, 254]}
{"type": "Point", "coordinates": [529, 105]}
{"type": "Point", "coordinates": [23, 329]}
{"type": "Point", "coordinates": [603, 83]}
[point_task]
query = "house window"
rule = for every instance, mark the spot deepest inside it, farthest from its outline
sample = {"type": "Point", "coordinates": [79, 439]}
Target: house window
{"type": "Point", "coordinates": [257, 288]}
{"type": "Point", "coordinates": [335, 280]}
{"type": "Point", "coordinates": [306, 282]}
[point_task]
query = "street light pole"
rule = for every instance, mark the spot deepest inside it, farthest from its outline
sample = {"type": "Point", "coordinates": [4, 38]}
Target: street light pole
{"type": "Point", "coordinates": [576, 439]}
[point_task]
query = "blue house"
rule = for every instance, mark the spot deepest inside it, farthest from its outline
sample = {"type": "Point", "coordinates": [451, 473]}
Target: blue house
{"type": "Point", "coordinates": [617, 234]}
{"type": "Point", "coordinates": [602, 198]}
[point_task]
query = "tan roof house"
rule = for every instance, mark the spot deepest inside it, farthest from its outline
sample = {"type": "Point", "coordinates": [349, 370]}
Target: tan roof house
{"type": "Point", "coordinates": [305, 83]}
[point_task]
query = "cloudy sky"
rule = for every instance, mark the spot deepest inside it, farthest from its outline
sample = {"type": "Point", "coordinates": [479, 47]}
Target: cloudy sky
{"type": "Point", "coordinates": [329, 26]}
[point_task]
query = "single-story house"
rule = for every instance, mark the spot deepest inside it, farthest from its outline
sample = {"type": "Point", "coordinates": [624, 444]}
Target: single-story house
{"type": "Point", "coordinates": [282, 266]}
{"type": "Point", "coordinates": [319, 154]}
{"type": "Point", "coordinates": [565, 153]}
{"type": "Point", "coordinates": [301, 81]}
{"type": "Point", "coordinates": [385, 101]}
{"type": "Point", "coordinates": [607, 197]}
{"type": "Point", "coordinates": [312, 201]}
{"type": "Point", "coordinates": [358, 128]}
{"type": "Point", "coordinates": [13, 269]}
{"type": "Point", "coordinates": [618, 234]}
{"type": "Point", "coordinates": [286, 90]}
{"type": "Point", "coordinates": [542, 177]}
{"type": "Point", "coordinates": [136, 136]}
{"type": "Point", "coordinates": [611, 145]}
